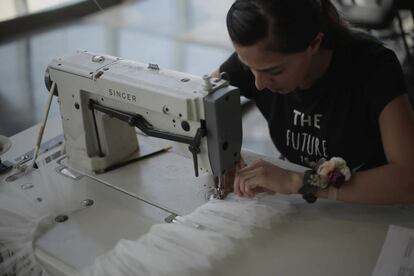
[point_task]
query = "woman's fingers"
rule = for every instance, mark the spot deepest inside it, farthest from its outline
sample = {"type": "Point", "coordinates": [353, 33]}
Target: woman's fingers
{"type": "Point", "coordinates": [241, 164]}
{"type": "Point", "coordinates": [249, 187]}
{"type": "Point", "coordinates": [253, 166]}
{"type": "Point", "coordinates": [245, 183]}
{"type": "Point", "coordinates": [236, 186]}
{"type": "Point", "coordinates": [249, 180]}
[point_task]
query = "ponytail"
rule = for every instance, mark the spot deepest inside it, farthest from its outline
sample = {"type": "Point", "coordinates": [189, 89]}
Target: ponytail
{"type": "Point", "coordinates": [334, 26]}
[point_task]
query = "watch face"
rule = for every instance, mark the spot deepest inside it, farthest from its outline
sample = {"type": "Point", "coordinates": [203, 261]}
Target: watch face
{"type": "Point", "coordinates": [309, 197]}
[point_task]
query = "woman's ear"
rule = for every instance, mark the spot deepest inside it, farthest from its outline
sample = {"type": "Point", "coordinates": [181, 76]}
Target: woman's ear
{"type": "Point", "coordinates": [316, 43]}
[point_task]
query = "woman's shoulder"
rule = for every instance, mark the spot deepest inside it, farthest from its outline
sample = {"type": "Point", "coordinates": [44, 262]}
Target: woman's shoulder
{"type": "Point", "coordinates": [362, 48]}
{"type": "Point", "coordinates": [361, 57]}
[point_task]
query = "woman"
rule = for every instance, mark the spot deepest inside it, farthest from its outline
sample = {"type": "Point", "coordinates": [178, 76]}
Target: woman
{"type": "Point", "coordinates": [326, 91]}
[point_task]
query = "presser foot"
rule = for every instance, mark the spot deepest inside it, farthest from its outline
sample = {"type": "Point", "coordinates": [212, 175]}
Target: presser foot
{"type": "Point", "coordinates": [218, 192]}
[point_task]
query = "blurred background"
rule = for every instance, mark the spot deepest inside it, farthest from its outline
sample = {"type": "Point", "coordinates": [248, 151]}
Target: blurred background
{"type": "Point", "coordinates": [184, 35]}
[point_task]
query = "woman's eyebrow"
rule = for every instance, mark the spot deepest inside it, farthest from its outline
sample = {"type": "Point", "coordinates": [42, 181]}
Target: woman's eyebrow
{"type": "Point", "coordinates": [273, 68]}
{"type": "Point", "coordinates": [264, 70]}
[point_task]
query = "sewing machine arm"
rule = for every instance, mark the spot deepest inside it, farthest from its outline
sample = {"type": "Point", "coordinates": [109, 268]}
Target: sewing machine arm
{"type": "Point", "coordinates": [136, 120]}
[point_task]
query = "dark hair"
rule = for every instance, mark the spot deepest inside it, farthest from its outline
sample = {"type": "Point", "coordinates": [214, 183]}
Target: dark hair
{"type": "Point", "coordinates": [288, 25]}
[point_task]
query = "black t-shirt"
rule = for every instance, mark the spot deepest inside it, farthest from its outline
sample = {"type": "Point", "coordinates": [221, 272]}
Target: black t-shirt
{"type": "Point", "coordinates": [339, 115]}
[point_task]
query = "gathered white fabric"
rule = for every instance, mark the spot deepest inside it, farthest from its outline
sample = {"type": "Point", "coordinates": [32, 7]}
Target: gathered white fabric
{"type": "Point", "coordinates": [206, 235]}
{"type": "Point", "coordinates": [167, 249]}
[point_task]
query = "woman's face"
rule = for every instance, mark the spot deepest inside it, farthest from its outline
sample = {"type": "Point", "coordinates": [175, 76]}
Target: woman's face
{"type": "Point", "coordinates": [280, 73]}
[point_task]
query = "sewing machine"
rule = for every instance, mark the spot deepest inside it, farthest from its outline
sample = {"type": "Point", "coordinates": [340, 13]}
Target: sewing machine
{"type": "Point", "coordinates": [98, 175]}
{"type": "Point", "coordinates": [102, 98]}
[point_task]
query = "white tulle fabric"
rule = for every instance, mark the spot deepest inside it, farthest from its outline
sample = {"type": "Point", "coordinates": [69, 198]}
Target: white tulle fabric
{"type": "Point", "coordinates": [179, 249]}
{"type": "Point", "coordinates": [167, 249]}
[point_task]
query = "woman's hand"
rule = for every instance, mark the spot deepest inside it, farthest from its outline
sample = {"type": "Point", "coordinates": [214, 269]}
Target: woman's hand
{"type": "Point", "coordinates": [263, 176]}
{"type": "Point", "coordinates": [215, 74]}
{"type": "Point", "coordinates": [228, 178]}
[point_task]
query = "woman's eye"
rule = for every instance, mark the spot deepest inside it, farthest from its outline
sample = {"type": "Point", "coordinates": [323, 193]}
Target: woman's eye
{"type": "Point", "coordinates": [275, 73]}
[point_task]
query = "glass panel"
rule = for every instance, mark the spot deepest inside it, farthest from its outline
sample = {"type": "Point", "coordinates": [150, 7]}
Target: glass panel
{"type": "Point", "coordinates": [10, 9]}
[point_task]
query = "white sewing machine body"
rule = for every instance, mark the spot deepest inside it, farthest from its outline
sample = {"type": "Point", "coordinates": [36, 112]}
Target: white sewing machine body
{"type": "Point", "coordinates": [101, 97]}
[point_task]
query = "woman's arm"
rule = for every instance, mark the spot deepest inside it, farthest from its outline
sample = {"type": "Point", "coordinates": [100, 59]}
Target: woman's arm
{"type": "Point", "coordinates": [394, 182]}
{"type": "Point", "coordinates": [389, 184]}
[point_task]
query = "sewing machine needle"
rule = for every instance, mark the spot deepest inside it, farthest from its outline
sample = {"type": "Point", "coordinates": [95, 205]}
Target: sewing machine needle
{"type": "Point", "coordinates": [219, 188]}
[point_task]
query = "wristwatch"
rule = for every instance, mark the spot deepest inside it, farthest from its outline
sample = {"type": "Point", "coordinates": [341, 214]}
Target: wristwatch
{"type": "Point", "coordinates": [310, 186]}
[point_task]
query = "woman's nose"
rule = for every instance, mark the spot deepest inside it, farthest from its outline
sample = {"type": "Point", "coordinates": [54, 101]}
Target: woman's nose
{"type": "Point", "coordinates": [261, 81]}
